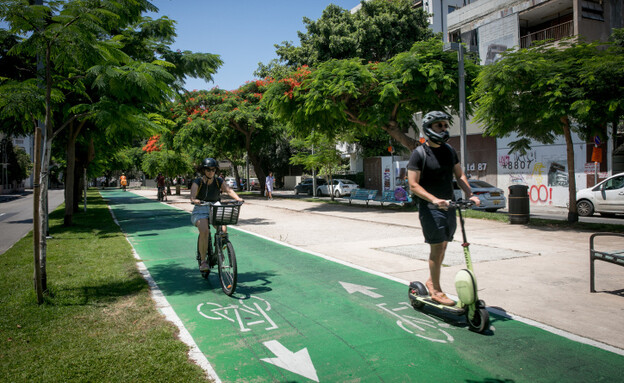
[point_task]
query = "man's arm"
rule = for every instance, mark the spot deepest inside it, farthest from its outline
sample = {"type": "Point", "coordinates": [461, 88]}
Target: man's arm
{"type": "Point", "coordinates": [462, 182]}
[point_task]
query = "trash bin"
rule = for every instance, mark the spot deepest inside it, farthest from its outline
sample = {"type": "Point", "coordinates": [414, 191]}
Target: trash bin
{"type": "Point", "coordinates": [518, 204]}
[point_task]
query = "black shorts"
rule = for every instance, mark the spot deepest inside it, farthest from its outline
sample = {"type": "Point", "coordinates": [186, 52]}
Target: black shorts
{"type": "Point", "coordinates": [438, 225]}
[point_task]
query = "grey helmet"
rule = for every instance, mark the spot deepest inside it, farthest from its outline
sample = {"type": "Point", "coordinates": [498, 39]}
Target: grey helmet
{"type": "Point", "coordinates": [431, 118]}
{"type": "Point", "coordinates": [209, 163]}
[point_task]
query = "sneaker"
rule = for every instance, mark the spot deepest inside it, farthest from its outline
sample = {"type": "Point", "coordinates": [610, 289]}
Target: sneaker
{"type": "Point", "coordinates": [442, 299]}
{"type": "Point", "coordinates": [204, 266]}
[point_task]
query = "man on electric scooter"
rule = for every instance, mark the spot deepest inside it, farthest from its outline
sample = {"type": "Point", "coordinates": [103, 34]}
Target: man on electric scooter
{"type": "Point", "coordinates": [430, 175]}
{"type": "Point", "coordinates": [207, 188]}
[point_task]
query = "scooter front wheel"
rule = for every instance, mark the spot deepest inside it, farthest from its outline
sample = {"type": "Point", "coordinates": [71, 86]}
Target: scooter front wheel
{"type": "Point", "coordinates": [480, 322]}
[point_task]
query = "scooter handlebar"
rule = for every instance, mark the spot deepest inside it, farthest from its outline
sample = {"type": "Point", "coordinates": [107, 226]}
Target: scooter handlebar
{"type": "Point", "coordinates": [460, 204]}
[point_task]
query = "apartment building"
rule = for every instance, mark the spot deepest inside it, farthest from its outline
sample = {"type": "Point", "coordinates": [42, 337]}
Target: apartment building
{"type": "Point", "coordinates": [494, 26]}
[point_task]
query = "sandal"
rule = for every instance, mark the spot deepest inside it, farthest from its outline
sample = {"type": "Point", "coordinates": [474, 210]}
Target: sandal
{"type": "Point", "coordinates": [442, 299]}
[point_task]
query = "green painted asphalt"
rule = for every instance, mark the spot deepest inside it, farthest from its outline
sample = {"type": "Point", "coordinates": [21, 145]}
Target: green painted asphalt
{"type": "Point", "coordinates": [292, 318]}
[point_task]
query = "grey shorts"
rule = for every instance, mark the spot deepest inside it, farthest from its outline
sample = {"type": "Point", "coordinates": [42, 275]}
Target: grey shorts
{"type": "Point", "coordinates": [438, 225]}
{"type": "Point", "coordinates": [200, 212]}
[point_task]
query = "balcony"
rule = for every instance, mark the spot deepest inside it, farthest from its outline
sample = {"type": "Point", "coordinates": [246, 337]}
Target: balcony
{"type": "Point", "coordinates": [556, 32]}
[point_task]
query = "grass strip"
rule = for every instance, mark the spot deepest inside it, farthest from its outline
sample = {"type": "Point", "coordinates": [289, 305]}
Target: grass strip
{"type": "Point", "coordinates": [98, 322]}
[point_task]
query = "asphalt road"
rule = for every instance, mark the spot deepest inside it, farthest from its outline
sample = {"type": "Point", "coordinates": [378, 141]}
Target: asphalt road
{"type": "Point", "coordinates": [16, 216]}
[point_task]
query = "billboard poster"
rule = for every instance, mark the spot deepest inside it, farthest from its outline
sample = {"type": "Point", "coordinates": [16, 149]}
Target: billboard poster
{"type": "Point", "coordinates": [496, 37]}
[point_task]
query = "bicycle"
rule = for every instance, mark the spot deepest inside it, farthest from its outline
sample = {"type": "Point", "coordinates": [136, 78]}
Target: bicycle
{"type": "Point", "coordinates": [161, 193]}
{"type": "Point", "coordinates": [222, 214]}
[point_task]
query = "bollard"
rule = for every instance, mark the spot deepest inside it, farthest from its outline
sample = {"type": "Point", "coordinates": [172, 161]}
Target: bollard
{"type": "Point", "coordinates": [518, 204]}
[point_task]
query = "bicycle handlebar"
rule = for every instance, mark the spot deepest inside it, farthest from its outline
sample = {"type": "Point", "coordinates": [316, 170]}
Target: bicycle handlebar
{"type": "Point", "coordinates": [220, 203]}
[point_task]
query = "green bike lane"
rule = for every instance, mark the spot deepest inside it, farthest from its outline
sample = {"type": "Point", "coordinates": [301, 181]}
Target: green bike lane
{"type": "Point", "coordinates": [298, 317]}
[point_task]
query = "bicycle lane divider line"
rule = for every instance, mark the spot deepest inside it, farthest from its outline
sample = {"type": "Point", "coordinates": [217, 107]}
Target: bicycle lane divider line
{"type": "Point", "coordinates": [167, 311]}
{"type": "Point", "coordinates": [347, 336]}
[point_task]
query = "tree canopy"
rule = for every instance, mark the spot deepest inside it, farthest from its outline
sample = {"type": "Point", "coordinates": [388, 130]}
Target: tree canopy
{"type": "Point", "coordinates": [348, 97]}
{"type": "Point", "coordinates": [547, 91]}
{"type": "Point", "coordinates": [377, 31]}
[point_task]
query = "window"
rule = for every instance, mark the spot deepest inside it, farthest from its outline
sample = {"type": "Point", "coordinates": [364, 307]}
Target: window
{"type": "Point", "coordinates": [592, 10]}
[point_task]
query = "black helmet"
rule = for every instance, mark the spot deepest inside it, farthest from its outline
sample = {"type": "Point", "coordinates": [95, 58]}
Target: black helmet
{"type": "Point", "coordinates": [429, 119]}
{"type": "Point", "coordinates": [209, 163]}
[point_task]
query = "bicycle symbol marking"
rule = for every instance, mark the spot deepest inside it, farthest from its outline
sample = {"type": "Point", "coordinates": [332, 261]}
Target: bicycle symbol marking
{"type": "Point", "coordinates": [242, 314]}
{"type": "Point", "coordinates": [421, 325]}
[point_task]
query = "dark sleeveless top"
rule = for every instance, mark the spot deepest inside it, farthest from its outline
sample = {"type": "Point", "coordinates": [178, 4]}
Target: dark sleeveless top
{"type": "Point", "coordinates": [208, 193]}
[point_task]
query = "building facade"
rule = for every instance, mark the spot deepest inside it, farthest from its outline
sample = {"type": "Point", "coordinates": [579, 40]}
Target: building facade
{"type": "Point", "coordinates": [494, 26]}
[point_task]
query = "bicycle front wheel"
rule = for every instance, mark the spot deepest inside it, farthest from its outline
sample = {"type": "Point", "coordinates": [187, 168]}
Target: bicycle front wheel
{"type": "Point", "coordinates": [228, 273]}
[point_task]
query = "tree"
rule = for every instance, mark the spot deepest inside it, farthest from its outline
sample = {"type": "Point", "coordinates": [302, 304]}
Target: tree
{"type": "Point", "coordinates": [347, 97]}
{"type": "Point", "coordinates": [95, 81]}
{"type": "Point", "coordinates": [547, 91]}
{"type": "Point", "coordinates": [227, 124]}
{"type": "Point", "coordinates": [167, 162]}
{"type": "Point", "coordinates": [377, 32]}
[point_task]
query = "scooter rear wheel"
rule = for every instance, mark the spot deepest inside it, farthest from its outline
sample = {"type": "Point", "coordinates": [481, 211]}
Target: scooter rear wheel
{"type": "Point", "coordinates": [417, 288]}
{"type": "Point", "coordinates": [481, 320]}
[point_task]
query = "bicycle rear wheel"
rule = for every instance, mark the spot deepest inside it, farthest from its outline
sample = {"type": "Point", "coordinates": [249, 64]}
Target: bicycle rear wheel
{"type": "Point", "coordinates": [228, 272]}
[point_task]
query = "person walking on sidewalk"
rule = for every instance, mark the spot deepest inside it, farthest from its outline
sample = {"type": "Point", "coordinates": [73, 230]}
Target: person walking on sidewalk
{"type": "Point", "coordinates": [269, 182]}
{"type": "Point", "coordinates": [207, 188]}
{"type": "Point", "coordinates": [430, 172]}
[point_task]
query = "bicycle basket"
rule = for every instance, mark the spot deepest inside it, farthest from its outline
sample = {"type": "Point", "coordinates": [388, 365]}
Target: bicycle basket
{"type": "Point", "coordinates": [224, 214]}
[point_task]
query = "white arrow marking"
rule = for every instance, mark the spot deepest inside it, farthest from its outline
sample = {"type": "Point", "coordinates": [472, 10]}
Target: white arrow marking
{"type": "Point", "coordinates": [353, 288]}
{"type": "Point", "coordinates": [298, 362]}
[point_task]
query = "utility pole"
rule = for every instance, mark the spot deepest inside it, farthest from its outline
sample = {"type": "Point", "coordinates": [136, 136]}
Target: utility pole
{"type": "Point", "coordinates": [459, 47]}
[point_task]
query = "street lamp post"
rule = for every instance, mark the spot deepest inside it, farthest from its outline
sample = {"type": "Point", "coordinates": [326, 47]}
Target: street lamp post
{"type": "Point", "coordinates": [462, 95]}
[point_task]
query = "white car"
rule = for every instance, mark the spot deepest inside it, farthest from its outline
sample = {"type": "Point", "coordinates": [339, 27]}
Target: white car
{"type": "Point", "coordinates": [231, 182]}
{"type": "Point", "coordinates": [606, 198]}
{"type": "Point", "coordinates": [339, 188]}
{"type": "Point", "coordinates": [491, 197]}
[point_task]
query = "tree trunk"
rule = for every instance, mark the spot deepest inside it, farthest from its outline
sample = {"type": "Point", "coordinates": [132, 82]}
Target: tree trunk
{"type": "Point", "coordinates": [572, 212]}
{"type": "Point", "coordinates": [257, 164]}
{"type": "Point", "coordinates": [393, 130]}
{"type": "Point", "coordinates": [36, 226]}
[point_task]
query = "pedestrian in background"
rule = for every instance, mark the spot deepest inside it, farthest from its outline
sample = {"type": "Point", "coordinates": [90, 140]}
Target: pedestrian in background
{"type": "Point", "coordinates": [268, 184]}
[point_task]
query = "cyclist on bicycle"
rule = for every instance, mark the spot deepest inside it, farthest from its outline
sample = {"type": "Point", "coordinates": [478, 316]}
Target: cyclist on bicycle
{"type": "Point", "coordinates": [160, 183]}
{"type": "Point", "coordinates": [207, 188]}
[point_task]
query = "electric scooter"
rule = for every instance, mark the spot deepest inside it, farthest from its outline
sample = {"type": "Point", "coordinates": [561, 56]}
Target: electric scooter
{"type": "Point", "coordinates": [469, 303]}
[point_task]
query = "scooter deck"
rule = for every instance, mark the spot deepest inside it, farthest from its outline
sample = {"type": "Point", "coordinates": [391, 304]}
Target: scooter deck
{"type": "Point", "coordinates": [428, 301]}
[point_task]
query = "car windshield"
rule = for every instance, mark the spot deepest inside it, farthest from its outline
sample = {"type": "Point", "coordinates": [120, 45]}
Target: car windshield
{"type": "Point", "coordinates": [480, 184]}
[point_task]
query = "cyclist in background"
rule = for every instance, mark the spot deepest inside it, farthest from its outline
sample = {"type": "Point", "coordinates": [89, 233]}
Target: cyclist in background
{"type": "Point", "coordinates": [207, 188]}
{"type": "Point", "coordinates": [123, 181]}
{"type": "Point", "coordinates": [160, 184]}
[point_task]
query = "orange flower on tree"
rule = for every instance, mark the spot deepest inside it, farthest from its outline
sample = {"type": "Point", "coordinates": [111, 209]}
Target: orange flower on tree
{"type": "Point", "coordinates": [152, 144]}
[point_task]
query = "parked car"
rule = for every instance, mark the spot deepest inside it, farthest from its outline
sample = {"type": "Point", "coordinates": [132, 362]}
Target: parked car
{"type": "Point", "coordinates": [339, 187]}
{"type": "Point", "coordinates": [606, 198]}
{"type": "Point", "coordinates": [231, 182]}
{"type": "Point", "coordinates": [305, 186]}
{"type": "Point", "coordinates": [491, 197]}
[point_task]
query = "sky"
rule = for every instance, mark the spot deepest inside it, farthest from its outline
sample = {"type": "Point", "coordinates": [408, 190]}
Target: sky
{"type": "Point", "coordinates": [242, 32]}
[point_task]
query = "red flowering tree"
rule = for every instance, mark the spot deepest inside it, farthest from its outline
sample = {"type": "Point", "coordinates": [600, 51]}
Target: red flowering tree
{"type": "Point", "coordinates": [226, 124]}
{"type": "Point", "coordinates": [343, 97]}
{"type": "Point", "coordinates": [152, 144]}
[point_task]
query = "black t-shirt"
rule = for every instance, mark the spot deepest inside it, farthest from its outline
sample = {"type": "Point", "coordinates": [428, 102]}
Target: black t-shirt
{"type": "Point", "coordinates": [437, 176]}
{"type": "Point", "coordinates": [208, 193]}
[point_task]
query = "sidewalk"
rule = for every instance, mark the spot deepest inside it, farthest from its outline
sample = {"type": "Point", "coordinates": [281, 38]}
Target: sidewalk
{"type": "Point", "coordinates": [538, 273]}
